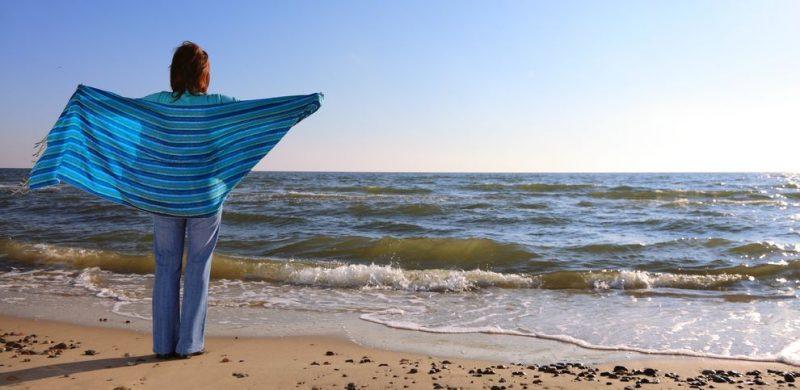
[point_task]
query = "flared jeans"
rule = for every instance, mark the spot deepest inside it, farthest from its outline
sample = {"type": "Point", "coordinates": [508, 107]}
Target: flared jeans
{"type": "Point", "coordinates": [179, 327]}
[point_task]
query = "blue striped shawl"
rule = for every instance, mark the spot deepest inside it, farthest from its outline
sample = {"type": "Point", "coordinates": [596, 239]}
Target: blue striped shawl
{"type": "Point", "coordinates": [166, 159]}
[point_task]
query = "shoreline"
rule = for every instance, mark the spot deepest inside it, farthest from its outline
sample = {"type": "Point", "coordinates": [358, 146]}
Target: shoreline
{"type": "Point", "coordinates": [122, 359]}
{"type": "Point", "coordinates": [479, 344]}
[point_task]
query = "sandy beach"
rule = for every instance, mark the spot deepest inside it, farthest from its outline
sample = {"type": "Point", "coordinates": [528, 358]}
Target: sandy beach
{"type": "Point", "coordinates": [47, 354]}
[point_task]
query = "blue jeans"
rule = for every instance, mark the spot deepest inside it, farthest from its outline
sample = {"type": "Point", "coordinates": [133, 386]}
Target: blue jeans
{"type": "Point", "coordinates": [175, 329]}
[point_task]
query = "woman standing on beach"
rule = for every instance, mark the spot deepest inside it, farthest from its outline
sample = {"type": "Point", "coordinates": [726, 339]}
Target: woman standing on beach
{"type": "Point", "coordinates": [179, 327]}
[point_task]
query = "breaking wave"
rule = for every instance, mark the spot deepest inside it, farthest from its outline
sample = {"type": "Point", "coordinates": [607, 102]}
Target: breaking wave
{"type": "Point", "coordinates": [635, 193]}
{"type": "Point", "coordinates": [528, 187]}
{"type": "Point", "coordinates": [335, 274]}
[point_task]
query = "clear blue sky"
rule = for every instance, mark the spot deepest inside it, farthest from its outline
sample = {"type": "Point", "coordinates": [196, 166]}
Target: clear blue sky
{"type": "Point", "coordinates": [443, 85]}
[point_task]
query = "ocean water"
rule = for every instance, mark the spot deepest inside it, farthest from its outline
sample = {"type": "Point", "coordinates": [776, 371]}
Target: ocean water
{"type": "Point", "coordinates": [687, 264]}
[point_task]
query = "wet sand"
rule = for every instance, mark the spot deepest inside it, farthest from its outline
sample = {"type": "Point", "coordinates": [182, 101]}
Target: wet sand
{"type": "Point", "coordinates": [48, 354]}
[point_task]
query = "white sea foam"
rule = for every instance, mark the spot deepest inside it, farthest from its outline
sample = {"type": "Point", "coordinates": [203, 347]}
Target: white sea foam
{"type": "Point", "coordinates": [105, 284]}
{"type": "Point", "coordinates": [790, 355]}
{"type": "Point", "coordinates": [388, 277]}
{"type": "Point", "coordinates": [647, 280]}
{"type": "Point", "coordinates": [424, 301]}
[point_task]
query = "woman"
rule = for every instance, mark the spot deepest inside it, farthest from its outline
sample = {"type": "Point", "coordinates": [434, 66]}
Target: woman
{"type": "Point", "coordinates": [178, 155]}
{"type": "Point", "coordinates": [178, 328]}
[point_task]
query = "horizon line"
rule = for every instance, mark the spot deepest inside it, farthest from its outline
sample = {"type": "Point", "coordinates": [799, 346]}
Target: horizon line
{"type": "Point", "coordinates": [511, 172]}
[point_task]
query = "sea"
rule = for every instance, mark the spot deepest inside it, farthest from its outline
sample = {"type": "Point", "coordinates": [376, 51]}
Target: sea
{"type": "Point", "coordinates": [496, 264]}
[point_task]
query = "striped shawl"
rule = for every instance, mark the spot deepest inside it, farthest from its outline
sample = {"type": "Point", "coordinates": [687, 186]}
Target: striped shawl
{"type": "Point", "coordinates": [166, 159]}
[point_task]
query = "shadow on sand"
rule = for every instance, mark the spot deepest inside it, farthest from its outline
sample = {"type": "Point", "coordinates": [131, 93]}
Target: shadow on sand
{"type": "Point", "coordinates": [68, 369]}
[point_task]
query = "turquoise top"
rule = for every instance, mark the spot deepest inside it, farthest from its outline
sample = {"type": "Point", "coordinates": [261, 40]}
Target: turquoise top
{"type": "Point", "coordinates": [187, 99]}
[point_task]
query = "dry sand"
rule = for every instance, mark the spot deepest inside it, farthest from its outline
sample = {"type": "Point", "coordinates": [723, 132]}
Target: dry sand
{"type": "Point", "coordinates": [104, 357]}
